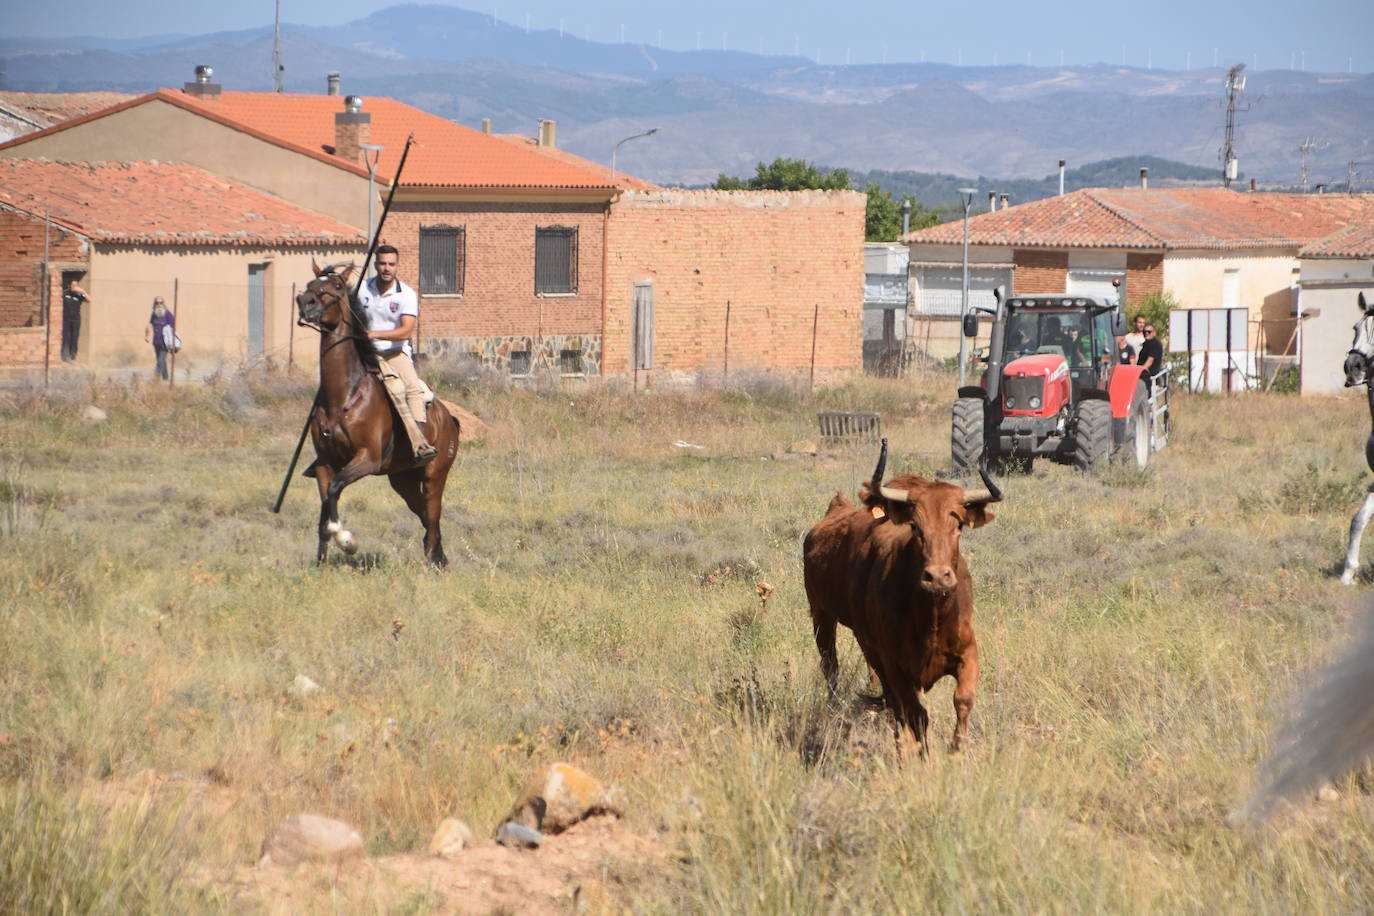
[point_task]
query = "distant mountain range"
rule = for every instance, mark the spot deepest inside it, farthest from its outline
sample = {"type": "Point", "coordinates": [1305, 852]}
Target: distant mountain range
{"type": "Point", "coordinates": [723, 111]}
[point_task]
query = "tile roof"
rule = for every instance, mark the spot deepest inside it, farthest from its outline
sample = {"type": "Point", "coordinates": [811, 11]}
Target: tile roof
{"type": "Point", "coordinates": [44, 109]}
{"type": "Point", "coordinates": [445, 154]}
{"type": "Point", "coordinates": [1165, 218]}
{"type": "Point", "coordinates": [1354, 241]}
{"type": "Point", "coordinates": [622, 180]}
{"type": "Point", "coordinates": [152, 203]}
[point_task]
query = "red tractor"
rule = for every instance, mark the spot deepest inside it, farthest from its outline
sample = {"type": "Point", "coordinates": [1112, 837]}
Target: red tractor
{"type": "Point", "coordinates": [1054, 386]}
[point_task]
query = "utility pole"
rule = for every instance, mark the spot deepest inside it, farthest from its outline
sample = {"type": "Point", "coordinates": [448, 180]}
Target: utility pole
{"type": "Point", "coordinates": [1235, 85]}
{"type": "Point", "coordinates": [277, 67]}
{"type": "Point", "coordinates": [1352, 175]}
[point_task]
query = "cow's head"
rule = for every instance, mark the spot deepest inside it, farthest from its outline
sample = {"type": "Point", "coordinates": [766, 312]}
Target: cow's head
{"type": "Point", "coordinates": [937, 513]}
{"type": "Point", "coordinates": [323, 301]}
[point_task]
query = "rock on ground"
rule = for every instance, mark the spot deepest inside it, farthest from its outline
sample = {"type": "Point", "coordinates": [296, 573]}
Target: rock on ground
{"type": "Point", "coordinates": [310, 838]}
{"type": "Point", "coordinates": [559, 795]}
{"type": "Point", "coordinates": [92, 414]}
{"type": "Point", "coordinates": [450, 838]}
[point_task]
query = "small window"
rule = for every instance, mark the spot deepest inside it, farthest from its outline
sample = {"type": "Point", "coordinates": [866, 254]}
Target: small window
{"type": "Point", "coordinates": [555, 260]}
{"type": "Point", "coordinates": [570, 362]}
{"type": "Point", "coordinates": [520, 362]}
{"type": "Point", "coordinates": [443, 257]}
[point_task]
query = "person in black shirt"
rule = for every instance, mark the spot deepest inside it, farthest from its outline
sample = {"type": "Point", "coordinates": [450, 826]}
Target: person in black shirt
{"type": "Point", "coordinates": [1125, 352]}
{"type": "Point", "coordinates": [72, 298]}
{"type": "Point", "coordinates": [1151, 354]}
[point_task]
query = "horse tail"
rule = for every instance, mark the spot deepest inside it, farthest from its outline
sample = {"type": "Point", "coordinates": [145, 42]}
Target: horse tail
{"type": "Point", "coordinates": [1330, 732]}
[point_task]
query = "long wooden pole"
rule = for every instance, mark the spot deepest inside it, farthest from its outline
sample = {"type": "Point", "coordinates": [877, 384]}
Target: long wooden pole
{"type": "Point", "coordinates": [371, 249]}
{"type": "Point", "coordinates": [815, 325]}
{"type": "Point", "coordinates": [291, 332]}
{"type": "Point", "coordinates": [47, 306]}
{"type": "Point", "coordinates": [726, 370]}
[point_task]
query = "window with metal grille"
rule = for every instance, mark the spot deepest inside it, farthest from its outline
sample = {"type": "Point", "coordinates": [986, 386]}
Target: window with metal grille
{"type": "Point", "coordinates": [520, 362]}
{"type": "Point", "coordinates": [555, 259]}
{"type": "Point", "coordinates": [443, 257]}
{"type": "Point", "coordinates": [570, 362]}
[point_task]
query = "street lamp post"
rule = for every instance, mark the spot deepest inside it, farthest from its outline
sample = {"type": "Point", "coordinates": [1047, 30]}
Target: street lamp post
{"type": "Point", "coordinates": [966, 195]}
{"type": "Point", "coordinates": [648, 133]}
{"type": "Point", "coordinates": [372, 154]}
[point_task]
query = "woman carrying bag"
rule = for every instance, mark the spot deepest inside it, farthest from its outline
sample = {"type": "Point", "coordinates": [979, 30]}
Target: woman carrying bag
{"type": "Point", "coordinates": [161, 331]}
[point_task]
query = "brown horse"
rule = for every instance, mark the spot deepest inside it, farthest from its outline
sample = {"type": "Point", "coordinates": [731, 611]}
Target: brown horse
{"type": "Point", "coordinates": [356, 430]}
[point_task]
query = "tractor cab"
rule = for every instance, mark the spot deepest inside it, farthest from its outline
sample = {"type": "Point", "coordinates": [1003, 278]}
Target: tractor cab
{"type": "Point", "coordinates": [1053, 386]}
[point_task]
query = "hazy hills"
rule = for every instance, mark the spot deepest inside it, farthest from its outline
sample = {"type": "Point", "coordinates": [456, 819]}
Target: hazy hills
{"type": "Point", "coordinates": [724, 111]}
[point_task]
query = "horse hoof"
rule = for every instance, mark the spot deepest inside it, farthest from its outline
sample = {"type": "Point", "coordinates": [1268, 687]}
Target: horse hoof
{"type": "Point", "coordinates": [346, 541]}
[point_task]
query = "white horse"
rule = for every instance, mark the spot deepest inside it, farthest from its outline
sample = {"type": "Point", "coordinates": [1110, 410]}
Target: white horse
{"type": "Point", "coordinates": [1358, 372]}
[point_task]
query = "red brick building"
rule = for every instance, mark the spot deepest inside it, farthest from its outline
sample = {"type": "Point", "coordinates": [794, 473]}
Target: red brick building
{"type": "Point", "coordinates": [509, 241]}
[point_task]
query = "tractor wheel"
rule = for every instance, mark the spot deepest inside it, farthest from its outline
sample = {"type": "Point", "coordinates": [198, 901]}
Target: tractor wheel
{"type": "Point", "coordinates": [1092, 436]}
{"type": "Point", "coordinates": [1134, 447]}
{"type": "Point", "coordinates": [966, 441]}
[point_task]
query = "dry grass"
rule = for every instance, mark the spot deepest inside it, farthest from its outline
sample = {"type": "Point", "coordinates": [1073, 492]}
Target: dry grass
{"type": "Point", "coordinates": [1140, 635]}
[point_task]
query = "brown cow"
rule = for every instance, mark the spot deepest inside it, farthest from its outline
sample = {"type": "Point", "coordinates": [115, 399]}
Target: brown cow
{"type": "Point", "coordinates": [897, 579]}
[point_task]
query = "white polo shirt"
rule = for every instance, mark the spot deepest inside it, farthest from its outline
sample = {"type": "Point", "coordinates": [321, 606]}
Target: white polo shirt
{"type": "Point", "coordinates": [384, 311]}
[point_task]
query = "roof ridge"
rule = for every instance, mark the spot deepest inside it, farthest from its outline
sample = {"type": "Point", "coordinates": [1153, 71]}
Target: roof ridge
{"type": "Point", "coordinates": [1091, 193]}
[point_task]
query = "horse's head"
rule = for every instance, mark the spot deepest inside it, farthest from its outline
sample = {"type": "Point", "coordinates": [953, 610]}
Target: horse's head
{"type": "Point", "coordinates": [324, 301]}
{"type": "Point", "coordinates": [1362, 348]}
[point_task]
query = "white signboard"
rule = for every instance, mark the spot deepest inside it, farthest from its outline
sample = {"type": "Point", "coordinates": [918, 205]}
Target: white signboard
{"type": "Point", "coordinates": [1209, 327]}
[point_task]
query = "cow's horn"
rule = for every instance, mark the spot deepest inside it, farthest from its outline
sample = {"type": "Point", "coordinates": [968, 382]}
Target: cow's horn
{"type": "Point", "coordinates": [876, 482]}
{"type": "Point", "coordinates": [897, 496]}
{"type": "Point", "coordinates": [992, 494]}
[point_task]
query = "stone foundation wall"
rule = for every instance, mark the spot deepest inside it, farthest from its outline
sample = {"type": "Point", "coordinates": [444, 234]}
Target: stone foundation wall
{"type": "Point", "coordinates": [521, 356]}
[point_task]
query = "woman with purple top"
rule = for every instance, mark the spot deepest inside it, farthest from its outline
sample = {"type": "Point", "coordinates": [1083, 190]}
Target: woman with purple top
{"type": "Point", "coordinates": [161, 326]}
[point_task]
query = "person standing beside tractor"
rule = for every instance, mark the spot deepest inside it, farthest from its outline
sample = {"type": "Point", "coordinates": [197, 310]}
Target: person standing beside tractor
{"type": "Point", "coordinates": [1137, 337]}
{"type": "Point", "coordinates": [1151, 355]}
{"type": "Point", "coordinates": [392, 311]}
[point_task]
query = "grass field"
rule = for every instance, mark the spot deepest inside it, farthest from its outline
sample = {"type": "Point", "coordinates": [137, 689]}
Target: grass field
{"type": "Point", "coordinates": [1140, 635]}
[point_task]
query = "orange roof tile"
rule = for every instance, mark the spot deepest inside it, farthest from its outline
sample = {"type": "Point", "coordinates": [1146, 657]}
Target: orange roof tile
{"type": "Point", "coordinates": [152, 203]}
{"type": "Point", "coordinates": [622, 180]}
{"type": "Point", "coordinates": [1165, 218]}
{"type": "Point", "coordinates": [445, 154]}
{"type": "Point", "coordinates": [1355, 241]}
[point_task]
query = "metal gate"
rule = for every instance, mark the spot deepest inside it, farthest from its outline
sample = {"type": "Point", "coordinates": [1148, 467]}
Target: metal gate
{"type": "Point", "coordinates": [257, 303]}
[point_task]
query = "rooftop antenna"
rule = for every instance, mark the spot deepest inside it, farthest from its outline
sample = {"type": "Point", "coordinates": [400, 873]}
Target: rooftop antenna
{"type": "Point", "coordinates": [1235, 85]}
{"type": "Point", "coordinates": [277, 67]}
{"type": "Point", "coordinates": [1309, 146]}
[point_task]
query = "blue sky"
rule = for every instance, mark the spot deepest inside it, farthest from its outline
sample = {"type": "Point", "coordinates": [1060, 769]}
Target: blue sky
{"type": "Point", "coordinates": [1322, 35]}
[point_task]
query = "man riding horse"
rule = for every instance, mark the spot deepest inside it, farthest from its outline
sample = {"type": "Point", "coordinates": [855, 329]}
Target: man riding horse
{"type": "Point", "coordinates": [392, 310]}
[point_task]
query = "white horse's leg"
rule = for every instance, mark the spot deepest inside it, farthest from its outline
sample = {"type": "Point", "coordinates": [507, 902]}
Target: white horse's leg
{"type": "Point", "coordinates": [1357, 526]}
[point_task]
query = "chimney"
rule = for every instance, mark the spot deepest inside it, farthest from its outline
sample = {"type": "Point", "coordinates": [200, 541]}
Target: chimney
{"type": "Point", "coordinates": [352, 129]}
{"type": "Point", "coordinates": [1062, 164]}
{"type": "Point", "coordinates": [486, 125]}
{"type": "Point", "coordinates": [1006, 200]}
{"type": "Point", "coordinates": [1321, 189]}
{"type": "Point", "coordinates": [992, 201]}
{"type": "Point", "coordinates": [202, 87]}
{"type": "Point", "coordinates": [333, 80]}
{"type": "Point", "coordinates": [1252, 186]}
{"type": "Point", "coordinates": [548, 134]}
{"type": "Point", "coordinates": [1144, 179]}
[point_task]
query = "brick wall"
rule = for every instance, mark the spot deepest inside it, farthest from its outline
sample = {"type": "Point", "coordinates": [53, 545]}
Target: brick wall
{"type": "Point", "coordinates": [498, 297]}
{"type": "Point", "coordinates": [1144, 275]}
{"type": "Point", "coordinates": [21, 267]}
{"type": "Point", "coordinates": [774, 256]}
{"type": "Point", "coordinates": [1040, 272]}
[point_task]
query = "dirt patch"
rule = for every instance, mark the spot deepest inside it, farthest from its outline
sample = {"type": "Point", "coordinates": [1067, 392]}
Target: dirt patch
{"type": "Point", "coordinates": [600, 851]}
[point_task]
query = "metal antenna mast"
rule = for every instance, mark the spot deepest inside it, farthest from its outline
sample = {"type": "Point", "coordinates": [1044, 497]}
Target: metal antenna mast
{"type": "Point", "coordinates": [1309, 146]}
{"type": "Point", "coordinates": [1235, 85]}
{"type": "Point", "coordinates": [277, 67]}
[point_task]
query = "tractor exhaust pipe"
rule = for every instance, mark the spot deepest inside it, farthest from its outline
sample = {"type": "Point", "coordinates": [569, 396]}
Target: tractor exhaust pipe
{"type": "Point", "coordinates": [999, 334]}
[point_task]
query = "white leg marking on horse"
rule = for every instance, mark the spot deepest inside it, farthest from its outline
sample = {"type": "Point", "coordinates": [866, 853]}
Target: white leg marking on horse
{"type": "Point", "coordinates": [1357, 526]}
{"type": "Point", "coordinates": [333, 527]}
{"type": "Point", "coordinates": [347, 543]}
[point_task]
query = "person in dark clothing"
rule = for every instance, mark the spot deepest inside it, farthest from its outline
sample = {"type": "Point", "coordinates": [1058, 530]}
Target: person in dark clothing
{"type": "Point", "coordinates": [72, 298]}
{"type": "Point", "coordinates": [160, 332]}
{"type": "Point", "coordinates": [1151, 354]}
